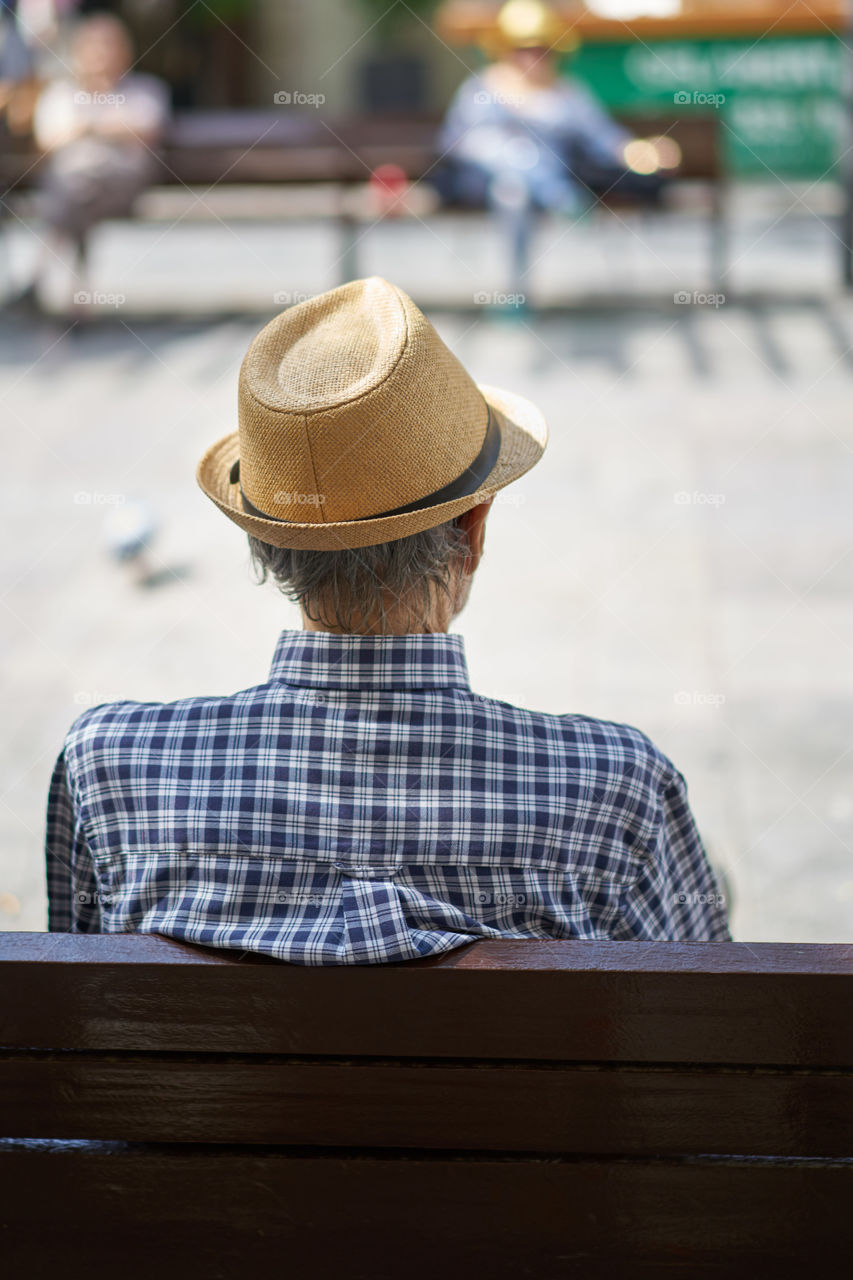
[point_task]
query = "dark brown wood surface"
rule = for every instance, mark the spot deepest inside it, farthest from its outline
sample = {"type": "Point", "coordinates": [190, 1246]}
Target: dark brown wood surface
{"type": "Point", "coordinates": [468, 1106]}
{"type": "Point", "coordinates": [150, 1212]}
{"type": "Point", "coordinates": [616, 1002]}
{"type": "Point", "coordinates": [539, 1109]}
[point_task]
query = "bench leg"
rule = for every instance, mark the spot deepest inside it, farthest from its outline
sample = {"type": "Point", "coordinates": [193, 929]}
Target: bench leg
{"type": "Point", "coordinates": [517, 231]}
{"type": "Point", "coordinates": [846, 236]}
{"type": "Point", "coordinates": [719, 234]}
{"type": "Point", "coordinates": [348, 240]}
{"type": "Point", "coordinates": [521, 232]}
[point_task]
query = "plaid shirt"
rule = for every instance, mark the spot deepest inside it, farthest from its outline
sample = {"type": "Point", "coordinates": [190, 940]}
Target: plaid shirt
{"type": "Point", "coordinates": [363, 806]}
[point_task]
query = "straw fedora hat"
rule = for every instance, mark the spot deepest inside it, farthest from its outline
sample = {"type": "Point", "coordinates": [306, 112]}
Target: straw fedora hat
{"type": "Point", "coordinates": [358, 426]}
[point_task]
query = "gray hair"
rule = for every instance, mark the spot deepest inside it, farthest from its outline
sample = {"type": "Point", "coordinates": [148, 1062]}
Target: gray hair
{"type": "Point", "coordinates": [338, 588]}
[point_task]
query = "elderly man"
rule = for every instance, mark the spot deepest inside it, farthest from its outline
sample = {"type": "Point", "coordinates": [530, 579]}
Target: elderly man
{"type": "Point", "coordinates": [361, 804]}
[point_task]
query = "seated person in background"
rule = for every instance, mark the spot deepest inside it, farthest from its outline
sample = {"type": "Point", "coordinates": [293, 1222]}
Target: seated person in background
{"type": "Point", "coordinates": [99, 131]}
{"type": "Point", "coordinates": [361, 804]}
{"type": "Point", "coordinates": [520, 135]}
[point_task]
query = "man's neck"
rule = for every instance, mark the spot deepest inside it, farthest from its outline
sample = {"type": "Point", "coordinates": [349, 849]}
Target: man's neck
{"type": "Point", "coordinates": [398, 619]}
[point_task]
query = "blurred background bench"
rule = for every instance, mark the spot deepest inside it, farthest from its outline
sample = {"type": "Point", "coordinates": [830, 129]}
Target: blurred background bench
{"type": "Point", "coordinates": [268, 165]}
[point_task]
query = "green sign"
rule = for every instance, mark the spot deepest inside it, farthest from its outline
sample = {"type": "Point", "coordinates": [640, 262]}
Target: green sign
{"type": "Point", "coordinates": [779, 98]}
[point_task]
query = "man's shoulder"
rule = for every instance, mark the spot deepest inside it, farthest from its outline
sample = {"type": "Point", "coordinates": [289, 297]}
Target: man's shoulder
{"type": "Point", "coordinates": [610, 742]}
{"type": "Point", "coordinates": [122, 723]}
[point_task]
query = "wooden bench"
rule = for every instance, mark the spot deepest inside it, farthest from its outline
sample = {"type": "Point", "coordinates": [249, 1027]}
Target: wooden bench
{"type": "Point", "coordinates": [541, 1109]}
{"type": "Point", "coordinates": [206, 150]}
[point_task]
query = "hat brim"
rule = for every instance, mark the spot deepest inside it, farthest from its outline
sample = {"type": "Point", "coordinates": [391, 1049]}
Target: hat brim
{"type": "Point", "coordinates": [524, 435]}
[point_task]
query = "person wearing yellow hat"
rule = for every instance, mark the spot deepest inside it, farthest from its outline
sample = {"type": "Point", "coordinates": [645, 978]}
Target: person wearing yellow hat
{"type": "Point", "coordinates": [361, 804]}
{"type": "Point", "coordinates": [520, 135]}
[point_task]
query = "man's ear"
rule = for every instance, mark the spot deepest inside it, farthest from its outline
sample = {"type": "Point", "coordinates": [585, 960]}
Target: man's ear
{"type": "Point", "coordinates": [473, 524]}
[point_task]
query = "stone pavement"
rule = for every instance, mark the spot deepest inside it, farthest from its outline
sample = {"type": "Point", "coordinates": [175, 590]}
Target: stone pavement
{"type": "Point", "coordinates": [681, 559]}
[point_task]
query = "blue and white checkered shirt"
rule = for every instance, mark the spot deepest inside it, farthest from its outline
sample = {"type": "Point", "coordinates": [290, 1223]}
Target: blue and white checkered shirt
{"type": "Point", "coordinates": [363, 806]}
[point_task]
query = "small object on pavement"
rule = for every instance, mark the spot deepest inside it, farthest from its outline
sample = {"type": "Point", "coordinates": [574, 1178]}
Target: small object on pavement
{"type": "Point", "coordinates": [129, 529]}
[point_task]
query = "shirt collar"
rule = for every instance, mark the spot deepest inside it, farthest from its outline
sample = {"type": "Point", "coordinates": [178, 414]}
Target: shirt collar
{"type": "Point", "coordinates": [319, 659]}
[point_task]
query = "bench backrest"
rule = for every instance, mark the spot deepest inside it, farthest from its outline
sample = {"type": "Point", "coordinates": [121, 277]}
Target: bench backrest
{"type": "Point", "coordinates": [212, 147]}
{"type": "Point", "coordinates": [546, 1108]}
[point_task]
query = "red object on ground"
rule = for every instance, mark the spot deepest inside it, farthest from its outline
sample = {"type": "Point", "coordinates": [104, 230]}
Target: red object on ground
{"type": "Point", "coordinates": [388, 184]}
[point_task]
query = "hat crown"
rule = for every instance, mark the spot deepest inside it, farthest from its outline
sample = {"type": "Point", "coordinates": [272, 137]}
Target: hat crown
{"type": "Point", "coordinates": [350, 405]}
{"type": "Point", "coordinates": [327, 350]}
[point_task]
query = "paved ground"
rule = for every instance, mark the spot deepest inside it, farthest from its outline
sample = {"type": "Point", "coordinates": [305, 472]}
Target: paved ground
{"type": "Point", "coordinates": [681, 560]}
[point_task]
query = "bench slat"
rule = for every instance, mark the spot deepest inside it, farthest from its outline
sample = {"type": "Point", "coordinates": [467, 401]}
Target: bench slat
{"type": "Point", "coordinates": [383, 1218]}
{"type": "Point", "coordinates": [466, 1107]}
{"type": "Point", "coordinates": [553, 1001]}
